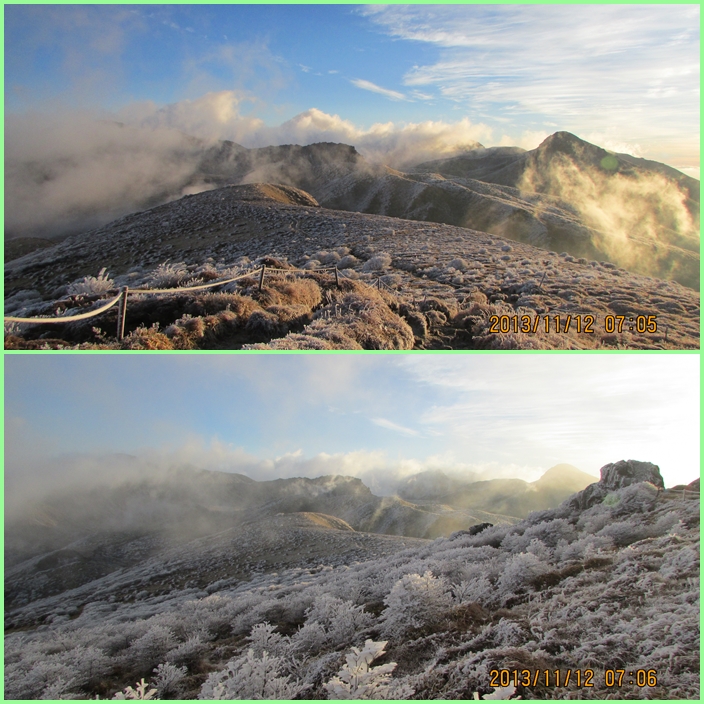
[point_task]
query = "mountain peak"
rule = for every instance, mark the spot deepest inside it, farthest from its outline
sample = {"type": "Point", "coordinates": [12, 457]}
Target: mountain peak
{"type": "Point", "coordinates": [571, 145]}
{"type": "Point", "coordinates": [562, 474]}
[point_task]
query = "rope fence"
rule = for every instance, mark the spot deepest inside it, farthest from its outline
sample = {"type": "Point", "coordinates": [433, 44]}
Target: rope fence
{"type": "Point", "coordinates": [125, 291]}
{"type": "Point", "coordinates": [67, 318]}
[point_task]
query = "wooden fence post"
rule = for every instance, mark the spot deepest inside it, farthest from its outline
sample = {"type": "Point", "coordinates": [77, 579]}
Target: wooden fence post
{"type": "Point", "coordinates": [337, 278]}
{"type": "Point", "coordinates": [121, 313]}
{"type": "Point", "coordinates": [261, 278]}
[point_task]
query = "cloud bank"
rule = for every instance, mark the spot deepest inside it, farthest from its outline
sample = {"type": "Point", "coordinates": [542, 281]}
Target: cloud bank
{"type": "Point", "coordinates": [30, 476]}
{"type": "Point", "coordinates": [71, 171]}
{"type": "Point", "coordinates": [634, 68]}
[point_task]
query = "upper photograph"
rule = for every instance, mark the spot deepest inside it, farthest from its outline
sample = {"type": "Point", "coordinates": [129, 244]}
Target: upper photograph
{"type": "Point", "coordinates": [340, 177]}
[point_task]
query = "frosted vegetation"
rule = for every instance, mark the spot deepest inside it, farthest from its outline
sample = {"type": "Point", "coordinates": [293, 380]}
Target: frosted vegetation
{"type": "Point", "coordinates": [432, 286]}
{"type": "Point", "coordinates": [612, 586]}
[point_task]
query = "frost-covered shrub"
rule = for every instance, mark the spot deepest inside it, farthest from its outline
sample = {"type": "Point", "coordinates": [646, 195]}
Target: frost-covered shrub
{"type": "Point", "coordinates": [624, 532]}
{"type": "Point", "coordinates": [310, 638]}
{"type": "Point", "coordinates": [187, 652]}
{"type": "Point", "coordinates": [168, 275]}
{"type": "Point", "coordinates": [584, 548]}
{"type": "Point", "coordinates": [92, 285]}
{"type": "Point", "coordinates": [539, 549]}
{"type": "Point", "coordinates": [341, 621]}
{"type": "Point", "coordinates": [594, 519]}
{"type": "Point", "coordinates": [680, 563]}
{"type": "Point", "coordinates": [480, 589]}
{"type": "Point", "coordinates": [519, 572]}
{"type": "Point", "coordinates": [266, 324]}
{"type": "Point", "coordinates": [327, 258]}
{"type": "Point", "coordinates": [347, 262]}
{"type": "Point", "coordinates": [168, 677]}
{"type": "Point", "coordinates": [507, 632]}
{"type": "Point", "coordinates": [152, 646]}
{"type": "Point", "coordinates": [59, 689]}
{"type": "Point", "coordinates": [263, 639]}
{"type": "Point", "coordinates": [638, 497]}
{"type": "Point", "coordinates": [250, 677]}
{"type": "Point", "coordinates": [665, 523]}
{"type": "Point", "coordinates": [492, 537]}
{"type": "Point", "coordinates": [357, 680]}
{"type": "Point", "coordinates": [141, 691]}
{"type": "Point", "coordinates": [378, 262]}
{"type": "Point", "coordinates": [413, 601]}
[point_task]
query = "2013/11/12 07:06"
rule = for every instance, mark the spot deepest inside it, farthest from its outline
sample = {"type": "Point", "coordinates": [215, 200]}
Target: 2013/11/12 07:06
{"type": "Point", "coordinates": [562, 678]}
{"type": "Point", "coordinates": [562, 324]}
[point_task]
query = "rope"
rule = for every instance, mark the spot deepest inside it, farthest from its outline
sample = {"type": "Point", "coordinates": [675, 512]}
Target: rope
{"type": "Point", "coordinates": [193, 288]}
{"type": "Point", "coordinates": [307, 271]}
{"type": "Point", "coordinates": [68, 318]}
{"type": "Point", "coordinates": [212, 284]}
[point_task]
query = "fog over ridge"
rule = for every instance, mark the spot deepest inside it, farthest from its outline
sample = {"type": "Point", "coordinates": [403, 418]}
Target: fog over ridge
{"type": "Point", "coordinates": [74, 170]}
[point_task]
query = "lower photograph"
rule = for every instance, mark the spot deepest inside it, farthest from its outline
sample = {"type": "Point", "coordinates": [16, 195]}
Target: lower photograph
{"type": "Point", "coordinates": [352, 526]}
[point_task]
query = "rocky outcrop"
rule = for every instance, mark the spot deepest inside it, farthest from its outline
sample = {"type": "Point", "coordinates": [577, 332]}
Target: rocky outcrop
{"type": "Point", "coordinates": [614, 476]}
{"type": "Point", "coordinates": [473, 530]}
{"type": "Point", "coordinates": [619, 474]}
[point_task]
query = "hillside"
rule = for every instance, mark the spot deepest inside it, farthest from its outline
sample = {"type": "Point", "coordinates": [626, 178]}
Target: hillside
{"type": "Point", "coordinates": [606, 581]}
{"type": "Point", "coordinates": [403, 284]}
{"type": "Point", "coordinates": [182, 505]}
{"type": "Point", "coordinates": [76, 536]}
{"type": "Point", "coordinates": [512, 497]}
{"type": "Point", "coordinates": [564, 195]}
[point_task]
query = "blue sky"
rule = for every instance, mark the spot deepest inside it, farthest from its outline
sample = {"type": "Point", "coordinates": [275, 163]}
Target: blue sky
{"type": "Point", "coordinates": [372, 416]}
{"type": "Point", "coordinates": [623, 76]}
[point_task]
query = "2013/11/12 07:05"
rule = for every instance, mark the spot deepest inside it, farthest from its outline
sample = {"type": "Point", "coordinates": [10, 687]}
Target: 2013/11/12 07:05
{"type": "Point", "coordinates": [562, 678]}
{"type": "Point", "coordinates": [562, 324]}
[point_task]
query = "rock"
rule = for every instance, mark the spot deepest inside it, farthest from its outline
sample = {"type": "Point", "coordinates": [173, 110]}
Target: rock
{"type": "Point", "coordinates": [473, 530]}
{"type": "Point", "coordinates": [615, 476]}
{"type": "Point", "coordinates": [626, 472]}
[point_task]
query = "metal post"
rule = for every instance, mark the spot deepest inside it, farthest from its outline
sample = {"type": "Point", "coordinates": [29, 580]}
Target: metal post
{"type": "Point", "coordinates": [261, 278]}
{"type": "Point", "coordinates": [121, 313]}
{"type": "Point", "coordinates": [337, 278]}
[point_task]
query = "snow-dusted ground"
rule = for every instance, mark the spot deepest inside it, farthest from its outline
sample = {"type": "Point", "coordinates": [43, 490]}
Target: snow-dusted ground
{"type": "Point", "coordinates": [476, 274]}
{"type": "Point", "coordinates": [596, 591]}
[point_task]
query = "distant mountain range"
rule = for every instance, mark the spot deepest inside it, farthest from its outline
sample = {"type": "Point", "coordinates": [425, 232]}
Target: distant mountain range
{"type": "Point", "coordinates": [567, 195]}
{"type": "Point", "coordinates": [137, 593]}
{"type": "Point", "coordinates": [511, 497]}
{"type": "Point", "coordinates": [185, 504]}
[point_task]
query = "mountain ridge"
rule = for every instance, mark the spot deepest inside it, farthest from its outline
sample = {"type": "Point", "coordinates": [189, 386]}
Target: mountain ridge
{"type": "Point", "coordinates": [566, 194]}
{"type": "Point", "coordinates": [435, 286]}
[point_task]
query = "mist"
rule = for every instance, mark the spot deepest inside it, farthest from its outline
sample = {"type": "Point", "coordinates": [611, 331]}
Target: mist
{"type": "Point", "coordinates": [34, 473]}
{"type": "Point", "coordinates": [72, 171]}
{"type": "Point", "coordinates": [638, 216]}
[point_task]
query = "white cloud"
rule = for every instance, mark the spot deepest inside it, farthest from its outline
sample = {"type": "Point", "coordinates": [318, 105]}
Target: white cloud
{"type": "Point", "coordinates": [32, 468]}
{"type": "Point", "coordinates": [587, 410]}
{"type": "Point", "coordinates": [633, 68]}
{"type": "Point", "coordinates": [215, 115]}
{"type": "Point", "coordinates": [219, 115]}
{"type": "Point", "coordinates": [368, 85]}
{"type": "Point", "coordinates": [390, 425]}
